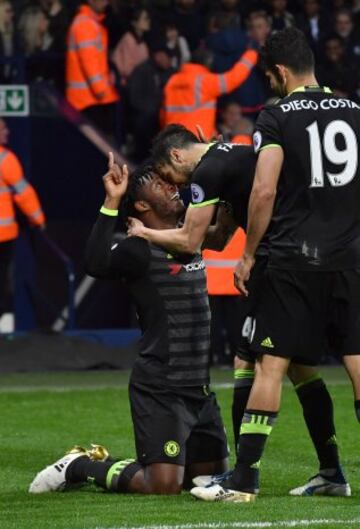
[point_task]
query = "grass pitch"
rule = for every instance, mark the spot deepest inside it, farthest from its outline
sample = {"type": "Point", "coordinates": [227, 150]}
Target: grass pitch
{"type": "Point", "coordinates": [45, 414]}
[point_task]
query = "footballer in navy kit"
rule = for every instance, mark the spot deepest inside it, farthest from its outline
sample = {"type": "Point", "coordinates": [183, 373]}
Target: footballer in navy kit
{"type": "Point", "coordinates": [307, 183]}
{"type": "Point", "coordinates": [178, 429]}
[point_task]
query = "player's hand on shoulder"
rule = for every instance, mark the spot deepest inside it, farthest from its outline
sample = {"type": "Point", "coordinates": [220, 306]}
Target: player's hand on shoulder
{"type": "Point", "coordinates": [116, 179]}
{"type": "Point", "coordinates": [242, 273]}
{"type": "Point", "coordinates": [135, 228]}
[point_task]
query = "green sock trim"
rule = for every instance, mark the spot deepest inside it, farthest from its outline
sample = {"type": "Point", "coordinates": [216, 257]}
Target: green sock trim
{"type": "Point", "coordinates": [308, 381]}
{"type": "Point", "coordinates": [255, 428]}
{"type": "Point", "coordinates": [115, 470]}
{"type": "Point", "coordinates": [244, 373]}
{"type": "Point", "coordinates": [332, 441]}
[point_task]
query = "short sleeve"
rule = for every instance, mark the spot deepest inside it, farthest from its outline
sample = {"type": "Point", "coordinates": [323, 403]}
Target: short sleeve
{"type": "Point", "coordinates": [206, 184]}
{"type": "Point", "coordinates": [267, 131]}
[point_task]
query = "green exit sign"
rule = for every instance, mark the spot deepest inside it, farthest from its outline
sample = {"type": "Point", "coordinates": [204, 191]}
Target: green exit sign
{"type": "Point", "coordinates": [14, 100]}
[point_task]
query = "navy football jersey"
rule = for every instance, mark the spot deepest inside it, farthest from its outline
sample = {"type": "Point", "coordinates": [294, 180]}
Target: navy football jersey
{"type": "Point", "coordinates": [316, 220]}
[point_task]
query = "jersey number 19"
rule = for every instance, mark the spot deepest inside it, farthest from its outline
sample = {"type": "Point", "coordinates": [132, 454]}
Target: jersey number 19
{"type": "Point", "coordinates": [347, 157]}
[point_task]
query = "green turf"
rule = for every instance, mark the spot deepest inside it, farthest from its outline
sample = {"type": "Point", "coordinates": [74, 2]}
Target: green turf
{"type": "Point", "coordinates": [44, 414]}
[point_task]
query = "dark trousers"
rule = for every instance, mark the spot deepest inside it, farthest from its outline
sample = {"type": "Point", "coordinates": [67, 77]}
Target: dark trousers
{"type": "Point", "coordinates": [224, 328]}
{"type": "Point", "coordinates": [6, 258]}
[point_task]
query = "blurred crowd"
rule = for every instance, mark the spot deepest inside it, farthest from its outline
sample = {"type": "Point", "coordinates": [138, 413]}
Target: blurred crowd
{"type": "Point", "coordinates": [113, 58]}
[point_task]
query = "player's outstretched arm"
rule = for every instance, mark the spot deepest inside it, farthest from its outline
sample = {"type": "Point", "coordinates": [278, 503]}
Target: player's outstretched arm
{"type": "Point", "coordinates": [187, 239]}
{"type": "Point", "coordinates": [98, 256]}
{"type": "Point", "coordinates": [260, 211]}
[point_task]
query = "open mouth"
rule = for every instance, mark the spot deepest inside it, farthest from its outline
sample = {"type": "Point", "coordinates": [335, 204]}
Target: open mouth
{"type": "Point", "coordinates": [175, 196]}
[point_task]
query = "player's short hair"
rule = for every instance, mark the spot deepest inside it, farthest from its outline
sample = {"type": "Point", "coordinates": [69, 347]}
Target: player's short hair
{"type": "Point", "coordinates": [140, 177]}
{"type": "Point", "coordinates": [290, 48]}
{"type": "Point", "coordinates": [171, 136]}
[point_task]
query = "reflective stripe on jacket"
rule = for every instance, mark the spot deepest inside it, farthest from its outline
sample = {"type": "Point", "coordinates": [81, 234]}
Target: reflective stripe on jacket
{"type": "Point", "coordinates": [220, 266]}
{"type": "Point", "coordinates": [15, 189]}
{"type": "Point", "coordinates": [191, 94]}
{"type": "Point", "coordinates": [88, 79]}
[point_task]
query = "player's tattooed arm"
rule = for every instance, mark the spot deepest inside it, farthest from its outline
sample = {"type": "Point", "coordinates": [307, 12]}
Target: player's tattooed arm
{"type": "Point", "coordinates": [187, 239]}
{"type": "Point", "coordinates": [261, 205]}
{"type": "Point", "coordinates": [220, 234]}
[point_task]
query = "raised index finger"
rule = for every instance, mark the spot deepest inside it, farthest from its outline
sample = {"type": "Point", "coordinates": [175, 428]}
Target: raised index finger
{"type": "Point", "coordinates": [111, 160]}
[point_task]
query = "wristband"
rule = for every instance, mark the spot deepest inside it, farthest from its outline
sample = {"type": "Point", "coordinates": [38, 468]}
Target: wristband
{"type": "Point", "coordinates": [109, 212]}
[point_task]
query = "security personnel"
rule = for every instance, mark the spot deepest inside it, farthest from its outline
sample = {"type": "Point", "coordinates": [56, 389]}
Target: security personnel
{"type": "Point", "coordinates": [14, 188]}
{"type": "Point", "coordinates": [190, 95]}
{"type": "Point", "coordinates": [223, 297]}
{"type": "Point", "coordinates": [89, 87]}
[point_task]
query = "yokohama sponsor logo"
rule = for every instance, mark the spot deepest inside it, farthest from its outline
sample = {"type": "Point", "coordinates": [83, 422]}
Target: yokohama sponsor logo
{"type": "Point", "coordinates": [191, 267]}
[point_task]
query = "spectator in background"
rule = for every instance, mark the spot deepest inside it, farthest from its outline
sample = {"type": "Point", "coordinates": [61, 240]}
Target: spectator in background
{"type": "Point", "coordinates": [145, 89]}
{"type": "Point", "coordinates": [37, 45]}
{"type": "Point", "coordinates": [89, 86]}
{"type": "Point", "coordinates": [233, 126]}
{"type": "Point", "coordinates": [281, 18]}
{"type": "Point", "coordinates": [259, 27]}
{"type": "Point", "coordinates": [33, 31]}
{"type": "Point", "coordinates": [187, 17]}
{"type": "Point", "coordinates": [132, 49]}
{"type": "Point", "coordinates": [177, 46]}
{"type": "Point", "coordinates": [345, 28]}
{"type": "Point", "coordinates": [59, 20]}
{"type": "Point", "coordinates": [314, 23]}
{"type": "Point", "coordinates": [229, 10]}
{"type": "Point", "coordinates": [190, 95]}
{"type": "Point", "coordinates": [337, 71]}
{"type": "Point", "coordinates": [14, 190]}
{"type": "Point", "coordinates": [7, 39]}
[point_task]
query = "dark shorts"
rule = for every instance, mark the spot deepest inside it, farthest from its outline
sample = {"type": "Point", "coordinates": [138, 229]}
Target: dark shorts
{"type": "Point", "coordinates": [297, 309]}
{"type": "Point", "coordinates": [176, 426]}
{"type": "Point", "coordinates": [247, 307]}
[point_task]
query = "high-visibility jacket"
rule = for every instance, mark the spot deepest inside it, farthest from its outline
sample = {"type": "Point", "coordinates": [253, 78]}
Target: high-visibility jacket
{"type": "Point", "coordinates": [88, 80]}
{"type": "Point", "coordinates": [244, 139]}
{"type": "Point", "coordinates": [190, 95]}
{"type": "Point", "coordinates": [15, 189]}
{"type": "Point", "coordinates": [220, 266]}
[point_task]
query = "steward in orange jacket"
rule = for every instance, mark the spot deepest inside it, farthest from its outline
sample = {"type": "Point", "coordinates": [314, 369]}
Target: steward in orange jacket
{"type": "Point", "coordinates": [14, 189]}
{"type": "Point", "coordinates": [220, 266]}
{"type": "Point", "coordinates": [88, 80]}
{"type": "Point", "coordinates": [190, 95]}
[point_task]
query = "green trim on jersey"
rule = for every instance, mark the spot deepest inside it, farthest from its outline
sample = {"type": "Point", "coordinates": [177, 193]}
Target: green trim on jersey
{"type": "Point", "coordinates": [325, 89]}
{"type": "Point", "coordinates": [109, 212]}
{"type": "Point", "coordinates": [206, 203]}
{"type": "Point", "coordinates": [270, 146]}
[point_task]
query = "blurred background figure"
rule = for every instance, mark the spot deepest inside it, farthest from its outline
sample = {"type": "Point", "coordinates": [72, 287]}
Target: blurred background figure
{"type": "Point", "coordinates": [33, 29]}
{"type": "Point", "coordinates": [190, 95]}
{"type": "Point", "coordinates": [89, 85]}
{"type": "Point", "coordinates": [145, 90]}
{"type": "Point", "coordinates": [337, 70]}
{"type": "Point", "coordinates": [281, 18]}
{"type": "Point", "coordinates": [176, 45]}
{"type": "Point", "coordinates": [233, 126]}
{"type": "Point", "coordinates": [350, 34]}
{"type": "Point", "coordinates": [59, 20]}
{"type": "Point", "coordinates": [186, 15]}
{"type": "Point", "coordinates": [314, 22]}
{"type": "Point", "coordinates": [7, 39]}
{"type": "Point", "coordinates": [132, 49]}
{"type": "Point", "coordinates": [14, 190]}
